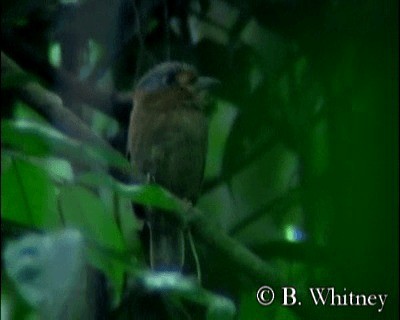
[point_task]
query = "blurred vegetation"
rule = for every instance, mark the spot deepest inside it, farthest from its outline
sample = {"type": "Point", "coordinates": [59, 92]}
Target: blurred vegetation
{"type": "Point", "coordinates": [302, 164]}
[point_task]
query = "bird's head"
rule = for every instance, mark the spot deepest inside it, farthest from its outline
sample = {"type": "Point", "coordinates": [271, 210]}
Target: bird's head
{"type": "Point", "coordinates": [170, 81]}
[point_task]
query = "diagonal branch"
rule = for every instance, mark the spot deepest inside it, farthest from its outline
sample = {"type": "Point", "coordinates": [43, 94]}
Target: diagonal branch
{"type": "Point", "coordinates": [116, 105]}
{"type": "Point", "coordinates": [232, 249]}
{"type": "Point", "coordinates": [50, 105]}
{"type": "Point", "coordinates": [275, 206]}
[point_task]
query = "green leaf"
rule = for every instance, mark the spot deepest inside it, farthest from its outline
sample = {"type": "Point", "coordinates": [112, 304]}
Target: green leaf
{"type": "Point", "coordinates": [251, 309]}
{"type": "Point", "coordinates": [24, 112]}
{"type": "Point", "coordinates": [59, 170]}
{"type": "Point", "coordinates": [42, 140]}
{"type": "Point", "coordinates": [220, 308]}
{"type": "Point", "coordinates": [187, 288]}
{"type": "Point", "coordinates": [15, 80]}
{"type": "Point", "coordinates": [83, 210]}
{"type": "Point", "coordinates": [122, 205]}
{"type": "Point", "coordinates": [54, 54]}
{"type": "Point", "coordinates": [129, 224]}
{"type": "Point", "coordinates": [144, 194]}
{"type": "Point", "coordinates": [28, 195]}
{"type": "Point", "coordinates": [26, 136]}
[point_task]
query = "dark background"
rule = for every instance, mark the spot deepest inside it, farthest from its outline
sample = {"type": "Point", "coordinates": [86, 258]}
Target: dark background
{"type": "Point", "coordinates": [303, 160]}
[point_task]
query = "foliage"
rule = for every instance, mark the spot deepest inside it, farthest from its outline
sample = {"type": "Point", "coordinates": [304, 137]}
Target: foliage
{"type": "Point", "coordinates": [302, 162]}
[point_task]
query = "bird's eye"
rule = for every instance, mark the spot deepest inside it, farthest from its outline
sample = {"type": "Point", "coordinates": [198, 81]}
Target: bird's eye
{"type": "Point", "coordinates": [169, 78]}
{"type": "Point", "coordinates": [186, 78]}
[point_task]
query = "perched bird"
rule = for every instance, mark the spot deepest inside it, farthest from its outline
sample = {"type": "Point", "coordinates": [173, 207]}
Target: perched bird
{"type": "Point", "coordinates": [167, 145]}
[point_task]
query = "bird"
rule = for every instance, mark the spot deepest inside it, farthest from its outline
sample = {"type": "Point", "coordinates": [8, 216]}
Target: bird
{"type": "Point", "coordinates": [167, 145]}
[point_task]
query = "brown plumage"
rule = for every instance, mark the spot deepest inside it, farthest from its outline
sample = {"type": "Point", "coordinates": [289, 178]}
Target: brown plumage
{"type": "Point", "coordinates": [167, 143]}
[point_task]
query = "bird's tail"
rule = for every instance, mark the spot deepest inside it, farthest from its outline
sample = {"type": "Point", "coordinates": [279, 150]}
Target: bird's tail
{"type": "Point", "coordinates": [167, 244]}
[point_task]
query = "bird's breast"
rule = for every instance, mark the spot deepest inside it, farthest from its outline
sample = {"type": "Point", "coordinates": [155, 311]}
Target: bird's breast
{"type": "Point", "coordinates": [171, 145]}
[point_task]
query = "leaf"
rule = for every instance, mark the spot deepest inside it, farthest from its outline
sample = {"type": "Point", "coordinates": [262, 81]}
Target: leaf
{"type": "Point", "coordinates": [251, 309]}
{"type": "Point", "coordinates": [15, 80]}
{"type": "Point", "coordinates": [42, 140]}
{"type": "Point", "coordinates": [219, 128]}
{"type": "Point", "coordinates": [186, 288]}
{"type": "Point", "coordinates": [22, 111]}
{"type": "Point", "coordinates": [129, 224]}
{"type": "Point", "coordinates": [59, 170]}
{"type": "Point", "coordinates": [220, 308]}
{"type": "Point", "coordinates": [28, 195]}
{"type": "Point", "coordinates": [19, 134]}
{"type": "Point", "coordinates": [83, 210]}
{"type": "Point", "coordinates": [145, 194]}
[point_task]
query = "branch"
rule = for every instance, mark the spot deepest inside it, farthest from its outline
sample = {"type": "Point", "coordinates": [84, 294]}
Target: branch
{"type": "Point", "coordinates": [251, 264]}
{"type": "Point", "coordinates": [277, 205]}
{"type": "Point", "coordinates": [209, 233]}
{"type": "Point", "coordinates": [302, 251]}
{"type": "Point", "coordinates": [232, 249]}
{"type": "Point", "coordinates": [52, 108]}
{"type": "Point", "coordinates": [116, 105]}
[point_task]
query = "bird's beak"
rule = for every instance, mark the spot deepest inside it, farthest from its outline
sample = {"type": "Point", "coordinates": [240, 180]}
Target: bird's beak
{"type": "Point", "coordinates": [206, 83]}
